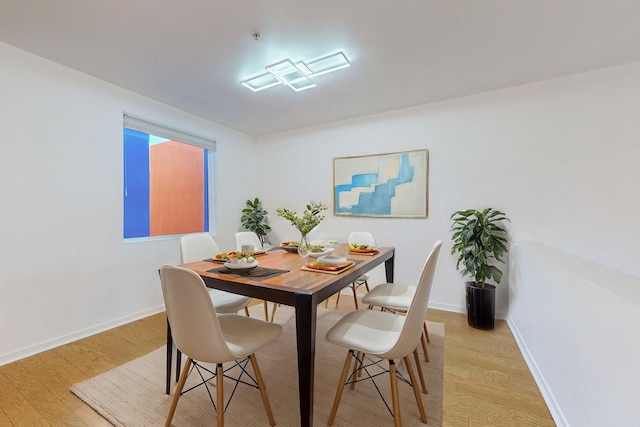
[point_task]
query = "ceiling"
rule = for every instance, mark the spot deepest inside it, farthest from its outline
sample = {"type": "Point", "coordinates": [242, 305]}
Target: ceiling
{"type": "Point", "coordinates": [193, 54]}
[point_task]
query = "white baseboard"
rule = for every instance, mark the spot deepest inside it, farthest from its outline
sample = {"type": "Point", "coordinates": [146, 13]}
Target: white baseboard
{"type": "Point", "coordinates": [459, 309]}
{"type": "Point", "coordinates": [66, 339]}
{"type": "Point", "coordinates": [547, 395]}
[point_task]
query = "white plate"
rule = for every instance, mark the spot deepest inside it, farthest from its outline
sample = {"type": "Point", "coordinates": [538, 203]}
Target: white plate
{"type": "Point", "coordinates": [241, 265]}
{"type": "Point", "coordinates": [319, 254]}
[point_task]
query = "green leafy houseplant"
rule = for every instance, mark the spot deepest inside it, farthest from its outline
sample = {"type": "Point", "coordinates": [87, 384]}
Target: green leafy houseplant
{"type": "Point", "coordinates": [254, 218]}
{"type": "Point", "coordinates": [477, 240]}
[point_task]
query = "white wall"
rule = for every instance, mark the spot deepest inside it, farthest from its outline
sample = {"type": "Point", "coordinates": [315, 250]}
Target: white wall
{"type": "Point", "coordinates": [65, 271]}
{"type": "Point", "coordinates": [560, 157]}
{"type": "Point", "coordinates": [577, 324]}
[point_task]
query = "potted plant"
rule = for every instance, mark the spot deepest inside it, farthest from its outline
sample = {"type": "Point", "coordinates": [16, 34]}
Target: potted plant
{"type": "Point", "coordinates": [480, 241]}
{"type": "Point", "coordinates": [254, 218]}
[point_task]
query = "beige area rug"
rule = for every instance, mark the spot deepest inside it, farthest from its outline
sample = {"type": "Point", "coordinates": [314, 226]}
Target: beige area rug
{"type": "Point", "coordinates": [133, 394]}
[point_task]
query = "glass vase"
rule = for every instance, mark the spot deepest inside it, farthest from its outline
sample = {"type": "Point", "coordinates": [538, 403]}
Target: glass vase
{"type": "Point", "coordinates": [304, 247]}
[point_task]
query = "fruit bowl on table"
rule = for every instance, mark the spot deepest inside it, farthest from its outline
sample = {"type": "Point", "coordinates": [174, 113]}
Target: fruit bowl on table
{"type": "Point", "coordinates": [318, 251]}
{"type": "Point", "coordinates": [241, 265]}
{"type": "Point", "coordinates": [290, 246]}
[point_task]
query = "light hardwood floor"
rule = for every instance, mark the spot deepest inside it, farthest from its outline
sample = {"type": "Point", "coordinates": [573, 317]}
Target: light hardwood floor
{"type": "Point", "coordinates": [486, 381]}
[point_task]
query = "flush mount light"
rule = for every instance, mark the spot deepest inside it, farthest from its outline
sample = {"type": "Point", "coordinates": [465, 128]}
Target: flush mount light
{"type": "Point", "coordinates": [297, 76]}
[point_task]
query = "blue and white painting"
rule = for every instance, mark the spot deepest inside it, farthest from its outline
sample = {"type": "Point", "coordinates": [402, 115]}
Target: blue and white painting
{"type": "Point", "coordinates": [391, 184]}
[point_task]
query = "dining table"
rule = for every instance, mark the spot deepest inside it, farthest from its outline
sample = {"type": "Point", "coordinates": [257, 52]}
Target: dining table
{"type": "Point", "coordinates": [294, 284]}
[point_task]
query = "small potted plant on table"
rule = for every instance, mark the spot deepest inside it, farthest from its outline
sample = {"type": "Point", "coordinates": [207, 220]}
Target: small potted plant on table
{"type": "Point", "coordinates": [479, 241]}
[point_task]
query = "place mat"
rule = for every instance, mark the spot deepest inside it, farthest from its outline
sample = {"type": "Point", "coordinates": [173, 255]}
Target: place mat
{"type": "Point", "coordinates": [258, 273]}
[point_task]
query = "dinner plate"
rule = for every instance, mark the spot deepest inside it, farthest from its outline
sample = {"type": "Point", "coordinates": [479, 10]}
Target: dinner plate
{"type": "Point", "coordinates": [319, 254]}
{"type": "Point", "coordinates": [241, 265]}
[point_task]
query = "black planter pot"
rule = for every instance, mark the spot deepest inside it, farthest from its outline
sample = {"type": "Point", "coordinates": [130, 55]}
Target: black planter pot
{"type": "Point", "coordinates": [481, 306]}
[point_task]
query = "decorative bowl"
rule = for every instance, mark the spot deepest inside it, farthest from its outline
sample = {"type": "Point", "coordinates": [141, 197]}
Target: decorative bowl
{"type": "Point", "coordinates": [290, 246]}
{"type": "Point", "coordinates": [241, 265]}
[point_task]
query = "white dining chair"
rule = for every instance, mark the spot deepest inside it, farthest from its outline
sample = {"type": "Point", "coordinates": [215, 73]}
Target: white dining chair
{"type": "Point", "coordinates": [247, 238]}
{"type": "Point", "coordinates": [251, 238]}
{"type": "Point", "coordinates": [396, 297]}
{"type": "Point", "coordinates": [387, 336]}
{"type": "Point", "coordinates": [207, 337]}
{"type": "Point", "coordinates": [200, 246]}
{"type": "Point", "coordinates": [359, 238]}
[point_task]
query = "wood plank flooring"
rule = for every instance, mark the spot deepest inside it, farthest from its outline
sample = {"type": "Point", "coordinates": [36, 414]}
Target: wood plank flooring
{"type": "Point", "coordinates": [486, 381]}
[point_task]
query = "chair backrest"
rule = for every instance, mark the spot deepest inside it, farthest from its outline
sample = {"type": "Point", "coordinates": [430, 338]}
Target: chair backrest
{"type": "Point", "coordinates": [197, 246]}
{"type": "Point", "coordinates": [192, 316]}
{"type": "Point", "coordinates": [361, 238]}
{"type": "Point", "coordinates": [247, 238]}
{"type": "Point", "coordinates": [412, 328]}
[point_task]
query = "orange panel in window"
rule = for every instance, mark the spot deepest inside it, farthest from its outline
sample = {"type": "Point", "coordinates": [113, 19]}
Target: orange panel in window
{"type": "Point", "coordinates": [176, 193]}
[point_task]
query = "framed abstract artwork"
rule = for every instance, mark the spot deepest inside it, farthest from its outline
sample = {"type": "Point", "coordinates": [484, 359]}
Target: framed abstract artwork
{"type": "Point", "coordinates": [382, 185]}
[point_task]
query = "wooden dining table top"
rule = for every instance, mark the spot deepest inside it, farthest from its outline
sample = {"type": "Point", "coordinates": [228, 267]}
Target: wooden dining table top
{"type": "Point", "coordinates": [294, 281]}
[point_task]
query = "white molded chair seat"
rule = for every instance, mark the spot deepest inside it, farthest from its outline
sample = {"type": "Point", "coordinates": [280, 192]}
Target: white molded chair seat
{"type": "Point", "coordinates": [390, 295]}
{"type": "Point", "coordinates": [244, 335]}
{"type": "Point", "coordinates": [387, 336]}
{"type": "Point", "coordinates": [372, 332]}
{"type": "Point", "coordinates": [396, 297]}
{"type": "Point", "coordinates": [199, 246]}
{"type": "Point", "coordinates": [205, 336]}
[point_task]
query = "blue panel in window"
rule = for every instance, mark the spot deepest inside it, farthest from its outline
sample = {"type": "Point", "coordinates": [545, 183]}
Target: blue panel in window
{"type": "Point", "coordinates": [136, 184]}
{"type": "Point", "coordinates": [206, 190]}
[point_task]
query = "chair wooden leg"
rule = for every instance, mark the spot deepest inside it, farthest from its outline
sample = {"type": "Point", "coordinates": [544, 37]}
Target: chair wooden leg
{"type": "Point", "coordinates": [178, 390]}
{"type": "Point", "coordinates": [266, 311]}
{"type": "Point", "coordinates": [273, 312]}
{"type": "Point", "coordinates": [355, 295]}
{"type": "Point", "coordinates": [338, 299]}
{"type": "Point", "coordinates": [423, 340]}
{"type": "Point", "coordinates": [246, 311]}
{"type": "Point", "coordinates": [416, 392]}
{"type": "Point", "coordinates": [220, 394]}
{"type": "Point", "coordinates": [366, 285]}
{"type": "Point", "coordinates": [263, 390]}
{"type": "Point", "coordinates": [343, 379]}
{"type": "Point", "coordinates": [426, 332]}
{"type": "Point", "coordinates": [397, 421]}
{"type": "Point", "coordinates": [416, 356]}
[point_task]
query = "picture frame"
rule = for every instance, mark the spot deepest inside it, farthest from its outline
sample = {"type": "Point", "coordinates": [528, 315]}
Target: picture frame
{"type": "Point", "coordinates": [391, 185]}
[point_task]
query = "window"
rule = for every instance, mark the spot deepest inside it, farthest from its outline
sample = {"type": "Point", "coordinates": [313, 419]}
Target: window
{"type": "Point", "coordinates": [168, 180]}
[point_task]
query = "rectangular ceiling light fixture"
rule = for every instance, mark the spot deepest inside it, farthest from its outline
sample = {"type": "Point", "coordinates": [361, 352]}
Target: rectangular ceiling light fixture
{"type": "Point", "coordinates": [297, 76]}
{"type": "Point", "coordinates": [290, 75]}
{"type": "Point", "coordinates": [328, 64]}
